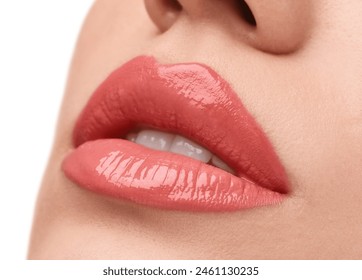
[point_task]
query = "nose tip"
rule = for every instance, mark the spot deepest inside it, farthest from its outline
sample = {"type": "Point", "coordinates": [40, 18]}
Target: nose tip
{"type": "Point", "coordinates": [163, 13]}
{"type": "Point", "coordinates": [277, 27]}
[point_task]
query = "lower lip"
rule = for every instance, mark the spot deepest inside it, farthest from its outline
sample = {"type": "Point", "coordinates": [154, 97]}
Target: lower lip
{"type": "Point", "coordinates": [125, 170]}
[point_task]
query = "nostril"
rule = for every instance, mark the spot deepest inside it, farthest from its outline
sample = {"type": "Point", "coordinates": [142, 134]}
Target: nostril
{"type": "Point", "coordinates": [246, 13]}
{"type": "Point", "coordinates": [172, 5]}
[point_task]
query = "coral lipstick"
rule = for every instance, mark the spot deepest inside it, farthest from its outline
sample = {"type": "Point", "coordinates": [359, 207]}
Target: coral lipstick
{"type": "Point", "coordinates": [122, 169]}
{"type": "Point", "coordinates": [187, 99]}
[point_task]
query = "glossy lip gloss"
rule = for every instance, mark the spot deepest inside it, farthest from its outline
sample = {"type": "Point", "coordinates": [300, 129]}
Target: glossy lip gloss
{"type": "Point", "coordinates": [189, 99]}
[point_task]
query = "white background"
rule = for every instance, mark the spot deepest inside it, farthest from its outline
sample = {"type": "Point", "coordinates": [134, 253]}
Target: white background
{"type": "Point", "coordinates": [37, 38]}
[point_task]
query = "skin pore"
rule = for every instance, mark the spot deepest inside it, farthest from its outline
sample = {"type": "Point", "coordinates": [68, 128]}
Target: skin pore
{"type": "Point", "coordinates": [298, 72]}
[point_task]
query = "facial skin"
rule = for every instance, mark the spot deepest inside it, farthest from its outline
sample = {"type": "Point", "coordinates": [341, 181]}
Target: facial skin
{"type": "Point", "coordinates": [299, 74]}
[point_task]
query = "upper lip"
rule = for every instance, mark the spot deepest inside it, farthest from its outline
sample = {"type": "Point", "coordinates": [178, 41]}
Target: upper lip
{"type": "Point", "coordinates": [167, 97]}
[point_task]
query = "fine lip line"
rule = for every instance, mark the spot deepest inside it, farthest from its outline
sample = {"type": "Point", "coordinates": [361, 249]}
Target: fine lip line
{"type": "Point", "coordinates": [108, 115]}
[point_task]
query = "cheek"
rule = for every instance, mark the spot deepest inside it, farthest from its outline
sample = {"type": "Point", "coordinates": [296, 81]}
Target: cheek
{"type": "Point", "coordinates": [339, 129]}
{"type": "Point", "coordinates": [323, 137]}
{"type": "Point", "coordinates": [113, 33]}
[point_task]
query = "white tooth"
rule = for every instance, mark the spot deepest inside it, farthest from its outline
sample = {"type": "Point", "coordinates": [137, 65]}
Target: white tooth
{"type": "Point", "coordinates": [131, 137]}
{"type": "Point", "coordinates": [186, 147]}
{"type": "Point", "coordinates": [155, 139]}
{"type": "Point", "coordinates": [222, 165]}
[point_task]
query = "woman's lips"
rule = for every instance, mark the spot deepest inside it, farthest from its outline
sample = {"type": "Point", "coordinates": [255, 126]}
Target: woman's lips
{"type": "Point", "coordinates": [188, 99]}
{"type": "Point", "coordinates": [122, 169]}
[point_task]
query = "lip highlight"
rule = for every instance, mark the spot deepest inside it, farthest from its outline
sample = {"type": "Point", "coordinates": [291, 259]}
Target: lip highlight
{"type": "Point", "coordinates": [189, 99]}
